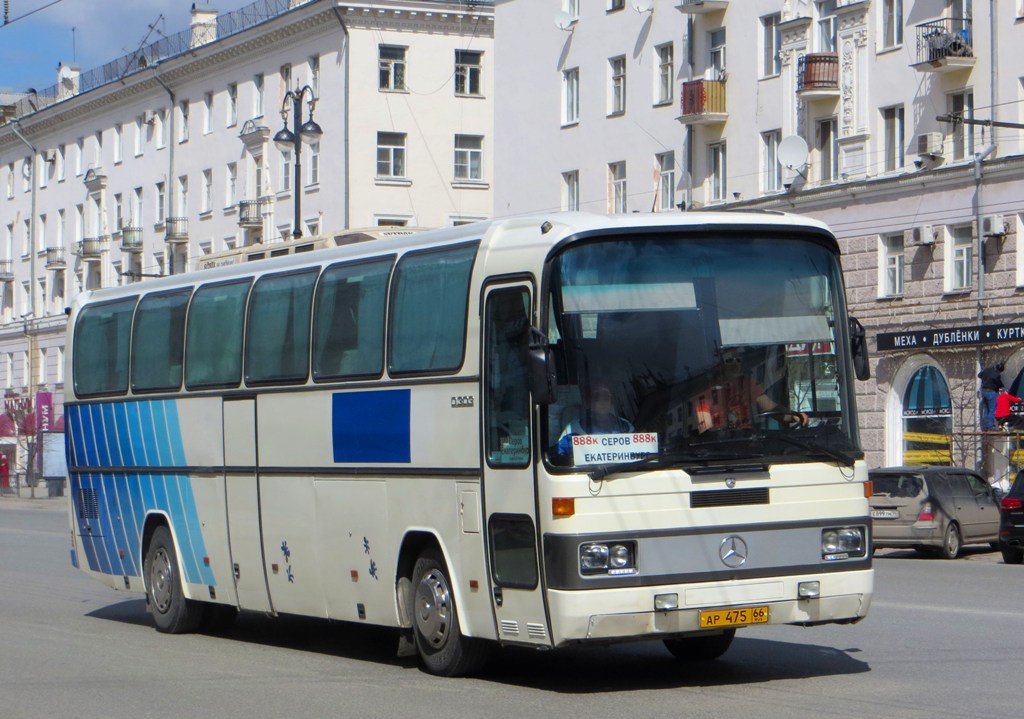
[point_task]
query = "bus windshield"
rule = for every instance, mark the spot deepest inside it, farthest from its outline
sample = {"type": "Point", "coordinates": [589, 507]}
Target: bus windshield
{"type": "Point", "coordinates": [698, 350]}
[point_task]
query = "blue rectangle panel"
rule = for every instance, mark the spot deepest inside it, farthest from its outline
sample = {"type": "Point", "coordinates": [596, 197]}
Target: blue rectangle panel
{"type": "Point", "coordinates": [371, 426]}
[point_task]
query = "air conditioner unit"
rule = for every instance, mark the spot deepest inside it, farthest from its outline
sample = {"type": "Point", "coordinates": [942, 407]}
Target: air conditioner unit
{"type": "Point", "coordinates": [922, 235]}
{"type": "Point", "coordinates": [149, 117]}
{"type": "Point", "coordinates": [50, 156]}
{"type": "Point", "coordinates": [993, 225]}
{"type": "Point", "coordinates": [930, 144]}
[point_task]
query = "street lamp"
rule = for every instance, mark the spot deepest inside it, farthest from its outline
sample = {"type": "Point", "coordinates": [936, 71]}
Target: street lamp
{"type": "Point", "coordinates": [291, 140]}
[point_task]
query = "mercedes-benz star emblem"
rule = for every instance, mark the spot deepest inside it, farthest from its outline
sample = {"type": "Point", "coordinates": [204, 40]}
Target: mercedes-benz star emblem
{"type": "Point", "coordinates": [733, 551]}
{"type": "Point", "coordinates": [730, 482]}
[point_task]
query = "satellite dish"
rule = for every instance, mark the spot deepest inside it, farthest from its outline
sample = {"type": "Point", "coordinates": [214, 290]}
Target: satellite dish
{"type": "Point", "coordinates": [642, 6]}
{"type": "Point", "coordinates": [793, 152]}
{"type": "Point", "coordinates": [563, 20]}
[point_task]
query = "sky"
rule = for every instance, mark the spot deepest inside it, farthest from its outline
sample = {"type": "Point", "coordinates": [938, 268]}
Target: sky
{"type": "Point", "coordinates": [39, 34]}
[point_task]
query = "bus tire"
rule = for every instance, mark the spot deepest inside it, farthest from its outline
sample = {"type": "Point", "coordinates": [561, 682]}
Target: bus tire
{"type": "Point", "coordinates": [172, 612]}
{"type": "Point", "coordinates": [442, 648]}
{"type": "Point", "coordinates": [701, 648]}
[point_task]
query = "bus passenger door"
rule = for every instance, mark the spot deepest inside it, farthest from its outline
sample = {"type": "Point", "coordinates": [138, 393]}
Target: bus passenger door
{"type": "Point", "coordinates": [509, 496]}
{"type": "Point", "coordinates": [241, 482]}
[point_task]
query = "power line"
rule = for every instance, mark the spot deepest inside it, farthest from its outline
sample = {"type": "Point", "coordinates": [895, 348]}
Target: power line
{"type": "Point", "coordinates": [10, 21]}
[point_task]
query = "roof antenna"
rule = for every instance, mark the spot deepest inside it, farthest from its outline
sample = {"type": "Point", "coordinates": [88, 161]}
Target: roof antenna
{"type": "Point", "coordinates": [74, 50]}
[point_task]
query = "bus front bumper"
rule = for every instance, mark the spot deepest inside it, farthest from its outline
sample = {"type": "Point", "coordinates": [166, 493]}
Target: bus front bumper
{"type": "Point", "coordinates": [623, 614]}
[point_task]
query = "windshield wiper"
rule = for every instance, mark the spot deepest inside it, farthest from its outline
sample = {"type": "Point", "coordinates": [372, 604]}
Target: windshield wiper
{"type": "Point", "coordinates": [677, 458]}
{"type": "Point", "coordinates": [816, 450]}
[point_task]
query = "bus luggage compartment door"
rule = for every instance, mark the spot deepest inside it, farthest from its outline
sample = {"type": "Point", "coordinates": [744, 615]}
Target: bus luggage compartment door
{"type": "Point", "coordinates": [241, 482]}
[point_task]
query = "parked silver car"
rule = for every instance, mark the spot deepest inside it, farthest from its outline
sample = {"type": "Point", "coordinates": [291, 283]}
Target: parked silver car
{"type": "Point", "coordinates": [933, 509]}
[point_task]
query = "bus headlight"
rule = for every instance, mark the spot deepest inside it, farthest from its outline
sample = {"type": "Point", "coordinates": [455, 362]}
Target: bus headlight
{"type": "Point", "coordinates": [608, 558]}
{"type": "Point", "coordinates": [842, 542]}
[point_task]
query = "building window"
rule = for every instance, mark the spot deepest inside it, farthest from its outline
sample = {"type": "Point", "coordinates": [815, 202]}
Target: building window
{"type": "Point", "coordinates": [98, 149]}
{"type": "Point", "coordinates": [962, 104]}
{"type": "Point", "coordinates": [183, 119]}
{"type": "Point", "coordinates": [208, 113]}
{"type": "Point", "coordinates": [617, 85]}
{"type": "Point", "coordinates": [771, 40]}
{"type": "Point", "coordinates": [140, 137]}
{"type": "Point", "coordinates": [891, 248]}
{"type": "Point", "coordinates": [390, 154]}
{"type": "Point", "coordinates": [258, 94]}
{"type": "Point", "coordinates": [892, 22]}
{"type": "Point", "coordinates": [118, 151]}
{"type": "Point", "coordinates": [79, 156]}
{"type": "Point", "coordinates": [571, 96]}
{"type": "Point", "coordinates": [285, 73]}
{"type": "Point", "coordinates": [230, 184]}
{"type": "Point", "coordinates": [617, 188]}
{"type": "Point", "coordinates": [826, 37]}
{"type": "Point", "coordinates": [232, 110]}
{"type": "Point", "coordinates": [614, 5]}
{"type": "Point", "coordinates": [572, 8]}
{"type": "Point", "coordinates": [61, 157]}
{"type": "Point", "coordinates": [468, 157]}
{"type": "Point", "coordinates": [392, 67]}
{"type": "Point", "coordinates": [771, 167]}
{"type": "Point", "coordinates": [161, 199]}
{"type": "Point", "coordinates": [960, 259]}
{"type": "Point", "coordinates": [927, 419]}
{"type": "Point", "coordinates": [158, 129]}
{"type": "Point", "coordinates": [571, 191]}
{"type": "Point", "coordinates": [136, 218]}
{"type": "Point", "coordinates": [892, 118]}
{"type": "Point", "coordinates": [828, 150]}
{"type": "Point", "coordinates": [118, 211]}
{"type": "Point", "coordinates": [666, 74]}
{"type": "Point", "coordinates": [313, 163]}
{"type": "Point", "coordinates": [206, 202]}
{"type": "Point", "coordinates": [183, 196]}
{"type": "Point", "coordinates": [10, 181]}
{"type": "Point", "coordinates": [717, 172]}
{"type": "Point", "coordinates": [313, 66]}
{"type": "Point", "coordinates": [666, 181]}
{"type": "Point", "coordinates": [467, 72]}
{"type": "Point", "coordinates": [716, 57]}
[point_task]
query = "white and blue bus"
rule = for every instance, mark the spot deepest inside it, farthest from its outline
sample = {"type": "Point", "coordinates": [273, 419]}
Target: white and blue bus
{"type": "Point", "coordinates": [537, 432]}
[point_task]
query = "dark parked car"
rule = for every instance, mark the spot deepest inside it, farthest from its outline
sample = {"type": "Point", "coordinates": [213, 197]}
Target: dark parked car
{"type": "Point", "coordinates": [1011, 522]}
{"type": "Point", "coordinates": [933, 509]}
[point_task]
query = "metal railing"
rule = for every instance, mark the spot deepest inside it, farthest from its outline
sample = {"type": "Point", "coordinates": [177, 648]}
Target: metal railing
{"type": "Point", "coordinates": [250, 213]}
{"type": "Point", "coordinates": [55, 258]}
{"type": "Point", "coordinates": [131, 239]}
{"type": "Point", "coordinates": [818, 71]}
{"type": "Point", "coordinates": [6, 270]}
{"type": "Point", "coordinates": [176, 229]}
{"type": "Point", "coordinates": [947, 37]}
{"type": "Point", "coordinates": [91, 248]}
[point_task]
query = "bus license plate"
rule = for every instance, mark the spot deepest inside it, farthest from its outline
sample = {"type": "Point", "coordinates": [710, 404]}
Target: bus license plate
{"type": "Point", "coordinates": [712, 618]}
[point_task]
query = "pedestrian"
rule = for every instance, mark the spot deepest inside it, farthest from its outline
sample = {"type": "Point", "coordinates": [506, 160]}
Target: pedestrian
{"type": "Point", "coordinates": [991, 382]}
{"type": "Point", "coordinates": [1005, 417]}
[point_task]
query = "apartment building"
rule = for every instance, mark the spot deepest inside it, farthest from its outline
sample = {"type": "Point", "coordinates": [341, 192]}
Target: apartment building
{"type": "Point", "coordinates": [159, 158]}
{"type": "Point", "coordinates": [898, 122]}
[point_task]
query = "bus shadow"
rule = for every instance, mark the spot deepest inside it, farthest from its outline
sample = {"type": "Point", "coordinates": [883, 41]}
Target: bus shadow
{"type": "Point", "coordinates": [573, 670]}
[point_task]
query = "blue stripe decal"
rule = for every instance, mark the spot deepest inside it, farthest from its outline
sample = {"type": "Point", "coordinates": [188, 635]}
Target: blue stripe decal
{"type": "Point", "coordinates": [372, 426]}
{"type": "Point", "coordinates": [133, 434]}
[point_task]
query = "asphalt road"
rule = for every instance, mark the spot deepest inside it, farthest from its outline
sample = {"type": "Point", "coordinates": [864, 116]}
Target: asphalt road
{"type": "Point", "coordinates": [943, 639]}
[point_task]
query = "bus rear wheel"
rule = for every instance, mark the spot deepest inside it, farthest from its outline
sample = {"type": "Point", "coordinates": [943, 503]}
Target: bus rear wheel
{"type": "Point", "coordinates": [172, 612]}
{"type": "Point", "coordinates": [439, 641]}
{"type": "Point", "coordinates": [701, 648]}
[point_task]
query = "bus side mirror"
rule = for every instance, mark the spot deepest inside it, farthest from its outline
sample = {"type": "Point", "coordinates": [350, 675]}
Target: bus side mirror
{"type": "Point", "coordinates": [543, 378]}
{"type": "Point", "coordinates": [859, 350]}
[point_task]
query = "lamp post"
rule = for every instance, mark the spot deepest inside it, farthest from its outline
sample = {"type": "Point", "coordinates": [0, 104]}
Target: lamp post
{"type": "Point", "coordinates": [291, 140]}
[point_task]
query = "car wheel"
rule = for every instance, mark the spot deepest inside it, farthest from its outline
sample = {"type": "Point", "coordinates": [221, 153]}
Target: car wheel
{"type": "Point", "coordinates": [951, 544]}
{"type": "Point", "coordinates": [1012, 555]}
{"type": "Point", "coordinates": [172, 612]}
{"type": "Point", "coordinates": [700, 649]}
{"type": "Point", "coordinates": [439, 641]}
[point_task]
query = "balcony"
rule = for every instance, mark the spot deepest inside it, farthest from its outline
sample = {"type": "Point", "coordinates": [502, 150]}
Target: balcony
{"type": "Point", "coordinates": [131, 239]}
{"type": "Point", "coordinates": [701, 7]}
{"type": "Point", "coordinates": [818, 75]}
{"type": "Point", "coordinates": [250, 213]}
{"type": "Point", "coordinates": [945, 45]}
{"type": "Point", "coordinates": [91, 248]}
{"type": "Point", "coordinates": [176, 230]}
{"type": "Point", "coordinates": [703, 102]}
{"type": "Point", "coordinates": [6, 270]}
{"type": "Point", "coordinates": [55, 258]}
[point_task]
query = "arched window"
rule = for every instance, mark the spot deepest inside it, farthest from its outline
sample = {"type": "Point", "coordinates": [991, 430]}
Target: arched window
{"type": "Point", "coordinates": [927, 419]}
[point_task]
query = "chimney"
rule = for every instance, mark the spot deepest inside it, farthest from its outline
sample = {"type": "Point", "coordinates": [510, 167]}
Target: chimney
{"type": "Point", "coordinates": [204, 24]}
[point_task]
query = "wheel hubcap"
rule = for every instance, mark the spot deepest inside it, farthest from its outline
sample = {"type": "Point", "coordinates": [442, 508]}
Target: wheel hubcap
{"type": "Point", "coordinates": [161, 580]}
{"type": "Point", "coordinates": [433, 609]}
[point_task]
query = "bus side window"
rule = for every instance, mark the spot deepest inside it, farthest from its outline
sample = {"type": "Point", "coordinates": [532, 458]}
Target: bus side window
{"type": "Point", "coordinates": [101, 348]}
{"type": "Point", "coordinates": [213, 337]}
{"type": "Point", "coordinates": [277, 333]}
{"type": "Point", "coordinates": [158, 341]}
{"type": "Point", "coordinates": [348, 320]}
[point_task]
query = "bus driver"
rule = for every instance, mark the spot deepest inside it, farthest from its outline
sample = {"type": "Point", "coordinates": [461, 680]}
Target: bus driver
{"type": "Point", "coordinates": [738, 394]}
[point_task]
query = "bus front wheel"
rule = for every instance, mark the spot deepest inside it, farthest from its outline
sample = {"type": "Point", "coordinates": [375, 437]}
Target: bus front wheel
{"type": "Point", "coordinates": [172, 612]}
{"type": "Point", "coordinates": [702, 648]}
{"type": "Point", "coordinates": [439, 641]}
